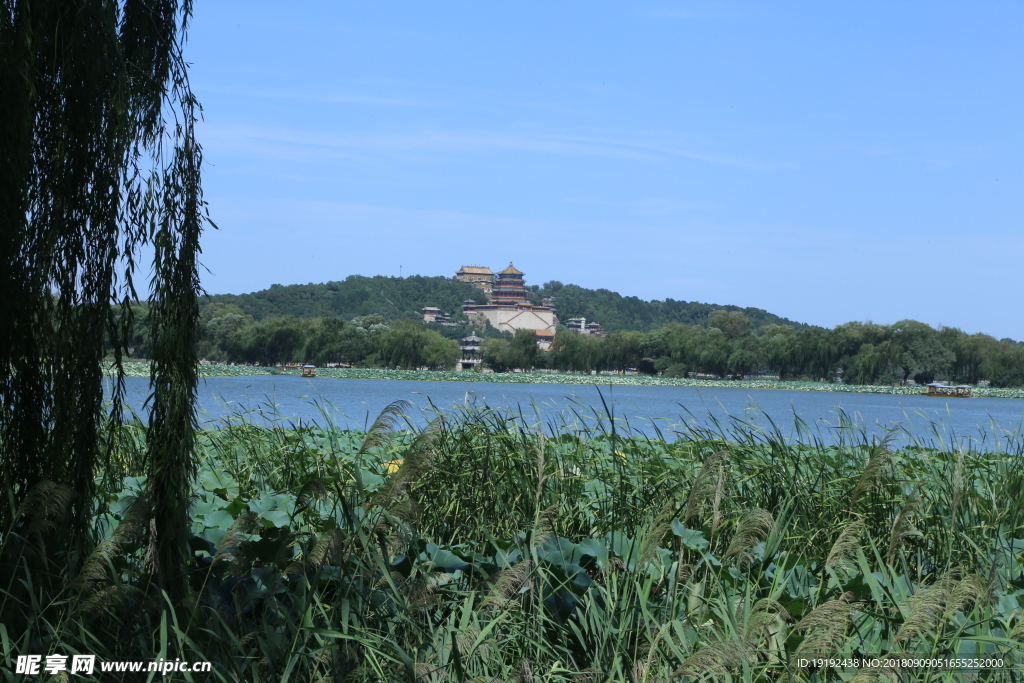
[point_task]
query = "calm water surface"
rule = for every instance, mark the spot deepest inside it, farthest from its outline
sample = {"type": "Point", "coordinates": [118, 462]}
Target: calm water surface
{"type": "Point", "coordinates": [983, 423]}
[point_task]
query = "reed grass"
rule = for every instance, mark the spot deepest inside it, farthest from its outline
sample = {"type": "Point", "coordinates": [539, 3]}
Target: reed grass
{"type": "Point", "coordinates": [486, 546]}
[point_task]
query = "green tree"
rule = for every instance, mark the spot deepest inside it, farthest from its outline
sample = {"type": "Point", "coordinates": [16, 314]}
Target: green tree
{"type": "Point", "coordinates": [494, 353]}
{"type": "Point", "coordinates": [99, 158]}
{"type": "Point", "coordinates": [919, 352]}
{"type": "Point", "coordinates": [523, 350]}
{"type": "Point", "coordinates": [410, 345]}
{"type": "Point", "coordinates": [776, 350]}
{"type": "Point", "coordinates": [733, 324]}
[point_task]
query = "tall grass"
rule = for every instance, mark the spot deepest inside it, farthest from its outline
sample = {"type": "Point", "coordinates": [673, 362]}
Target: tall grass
{"type": "Point", "coordinates": [487, 546]}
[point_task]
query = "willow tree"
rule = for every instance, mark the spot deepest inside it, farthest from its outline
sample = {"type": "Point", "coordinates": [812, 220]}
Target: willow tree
{"type": "Point", "coordinates": [99, 166]}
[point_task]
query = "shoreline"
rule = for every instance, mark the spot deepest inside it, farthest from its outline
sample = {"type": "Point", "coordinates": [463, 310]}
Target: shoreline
{"type": "Point", "coordinates": [141, 369]}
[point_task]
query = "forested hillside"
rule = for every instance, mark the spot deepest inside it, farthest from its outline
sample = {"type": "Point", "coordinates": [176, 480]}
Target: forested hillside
{"type": "Point", "coordinates": [356, 295]}
{"type": "Point", "coordinates": [395, 298]}
{"type": "Point", "coordinates": [617, 313]}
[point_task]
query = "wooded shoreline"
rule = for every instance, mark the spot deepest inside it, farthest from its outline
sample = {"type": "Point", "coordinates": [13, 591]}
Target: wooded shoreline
{"type": "Point", "coordinates": [141, 369]}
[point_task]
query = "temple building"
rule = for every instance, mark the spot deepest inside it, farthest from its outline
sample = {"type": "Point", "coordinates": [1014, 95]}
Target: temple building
{"type": "Point", "coordinates": [470, 350]}
{"type": "Point", "coordinates": [478, 276]}
{"type": "Point", "coordinates": [434, 315]}
{"type": "Point", "coordinates": [509, 308]}
{"type": "Point", "coordinates": [581, 326]}
{"type": "Point", "coordinates": [509, 287]}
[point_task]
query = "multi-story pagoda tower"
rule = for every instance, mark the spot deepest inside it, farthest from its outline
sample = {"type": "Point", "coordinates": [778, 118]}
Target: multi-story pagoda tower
{"type": "Point", "coordinates": [509, 308]}
{"type": "Point", "coordinates": [509, 288]}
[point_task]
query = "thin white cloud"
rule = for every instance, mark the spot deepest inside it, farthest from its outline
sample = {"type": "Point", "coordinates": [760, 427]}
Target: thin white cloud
{"type": "Point", "coordinates": [321, 97]}
{"type": "Point", "coordinates": [281, 143]}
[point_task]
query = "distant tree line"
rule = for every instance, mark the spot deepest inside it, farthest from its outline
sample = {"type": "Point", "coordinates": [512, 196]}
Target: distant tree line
{"type": "Point", "coordinates": [728, 344]}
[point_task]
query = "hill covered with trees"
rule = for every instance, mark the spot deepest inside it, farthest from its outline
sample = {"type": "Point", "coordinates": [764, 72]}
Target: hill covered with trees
{"type": "Point", "coordinates": [376, 322]}
{"type": "Point", "coordinates": [404, 298]}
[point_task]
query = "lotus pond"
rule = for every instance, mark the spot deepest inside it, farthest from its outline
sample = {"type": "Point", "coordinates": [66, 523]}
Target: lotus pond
{"type": "Point", "coordinates": [485, 548]}
{"type": "Point", "coordinates": [141, 369]}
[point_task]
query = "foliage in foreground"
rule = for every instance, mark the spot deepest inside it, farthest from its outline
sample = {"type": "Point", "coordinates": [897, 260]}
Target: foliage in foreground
{"type": "Point", "coordinates": [482, 548]}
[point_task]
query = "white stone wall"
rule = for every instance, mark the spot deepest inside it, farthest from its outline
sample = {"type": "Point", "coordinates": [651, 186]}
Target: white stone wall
{"type": "Point", "coordinates": [510, 319]}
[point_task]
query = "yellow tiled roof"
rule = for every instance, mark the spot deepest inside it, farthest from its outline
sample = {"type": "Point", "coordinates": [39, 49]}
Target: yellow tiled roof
{"type": "Point", "coordinates": [511, 270]}
{"type": "Point", "coordinates": [475, 270]}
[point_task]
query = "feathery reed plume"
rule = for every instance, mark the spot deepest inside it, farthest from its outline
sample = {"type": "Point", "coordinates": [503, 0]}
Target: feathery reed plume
{"type": "Point", "coordinates": [386, 423]}
{"type": "Point", "coordinates": [42, 513]}
{"type": "Point", "coordinates": [765, 619]}
{"type": "Point", "coordinates": [312, 491]}
{"type": "Point", "coordinates": [543, 528]}
{"type": "Point", "coordinates": [643, 666]}
{"type": "Point", "coordinates": [970, 590]}
{"type": "Point", "coordinates": [110, 598]}
{"type": "Point", "coordinates": [326, 544]}
{"type": "Point", "coordinates": [425, 671]}
{"type": "Point", "coordinates": [708, 485]}
{"type": "Point", "coordinates": [846, 545]}
{"type": "Point", "coordinates": [661, 525]}
{"type": "Point", "coordinates": [753, 528]}
{"type": "Point", "coordinates": [932, 606]}
{"type": "Point", "coordinates": [714, 661]}
{"type": "Point", "coordinates": [95, 570]}
{"type": "Point", "coordinates": [876, 472]}
{"type": "Point", "coordinates": [508, 584]}
{"type": "Point", "coordinates": [1018, 630]}
{"type": "Point", "coordinates": [228, 550]}
{"type": "Point", "coordinates": [43, 509]}
{"type": "Point", "coordinates": [903, 529]}
{"type": "Point", "coordinates": [465, 640]}
{"type": "Point", "coordinates": [419, 458]}
{"type": "Point", "coordinates": [422, 590]}
{"type": "Point", "coordinates": [826, 627]}
{"type": "Point", "coordinates": [523, 672]}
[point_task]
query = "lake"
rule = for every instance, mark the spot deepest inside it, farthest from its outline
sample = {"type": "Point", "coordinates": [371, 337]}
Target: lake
{"type": "Point", "coordinates": [981, 423]}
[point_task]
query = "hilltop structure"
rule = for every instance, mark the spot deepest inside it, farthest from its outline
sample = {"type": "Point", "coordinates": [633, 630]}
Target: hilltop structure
{"type": "Point", "coordinates": [508, 308]}
{"type": "Point", "coordinates": [480, 277]}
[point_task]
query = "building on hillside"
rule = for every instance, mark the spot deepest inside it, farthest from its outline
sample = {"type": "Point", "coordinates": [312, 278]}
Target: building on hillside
{"type": "Point", "coordinates": [470, 349]}
{"type": "Point", "coordinates": [509, 308]}
{"type": "Point", "coordinates": [545, 338]}
{"type": "Point", "coordinates": [479, 276]}
{"type": "Point", "coordinates": [434, 315]}
{"type": "Point", "coordinates": [581, 326]}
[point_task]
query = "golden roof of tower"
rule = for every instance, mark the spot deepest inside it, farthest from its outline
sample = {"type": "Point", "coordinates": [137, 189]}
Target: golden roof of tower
{"type": "Point", "coordinates": [475, 270]}
{"type": "Point", "coordinates": [511, 270]}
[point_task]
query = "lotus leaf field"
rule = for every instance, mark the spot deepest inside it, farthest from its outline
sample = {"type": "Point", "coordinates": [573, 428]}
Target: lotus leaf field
{"type": "Point", "coordinates": [141, 369]}
{"type": "Point", "coordinates": [482, 548]}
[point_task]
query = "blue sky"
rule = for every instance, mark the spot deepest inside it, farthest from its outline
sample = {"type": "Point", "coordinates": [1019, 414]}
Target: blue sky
{"type": "Point", "coordinates": [827, 162]}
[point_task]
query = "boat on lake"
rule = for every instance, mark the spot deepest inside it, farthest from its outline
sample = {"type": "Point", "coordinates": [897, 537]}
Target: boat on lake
{"type": "Point", "coordinates": [309, 371]}
{"type": "Point", "coordinates": [949, 390]}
